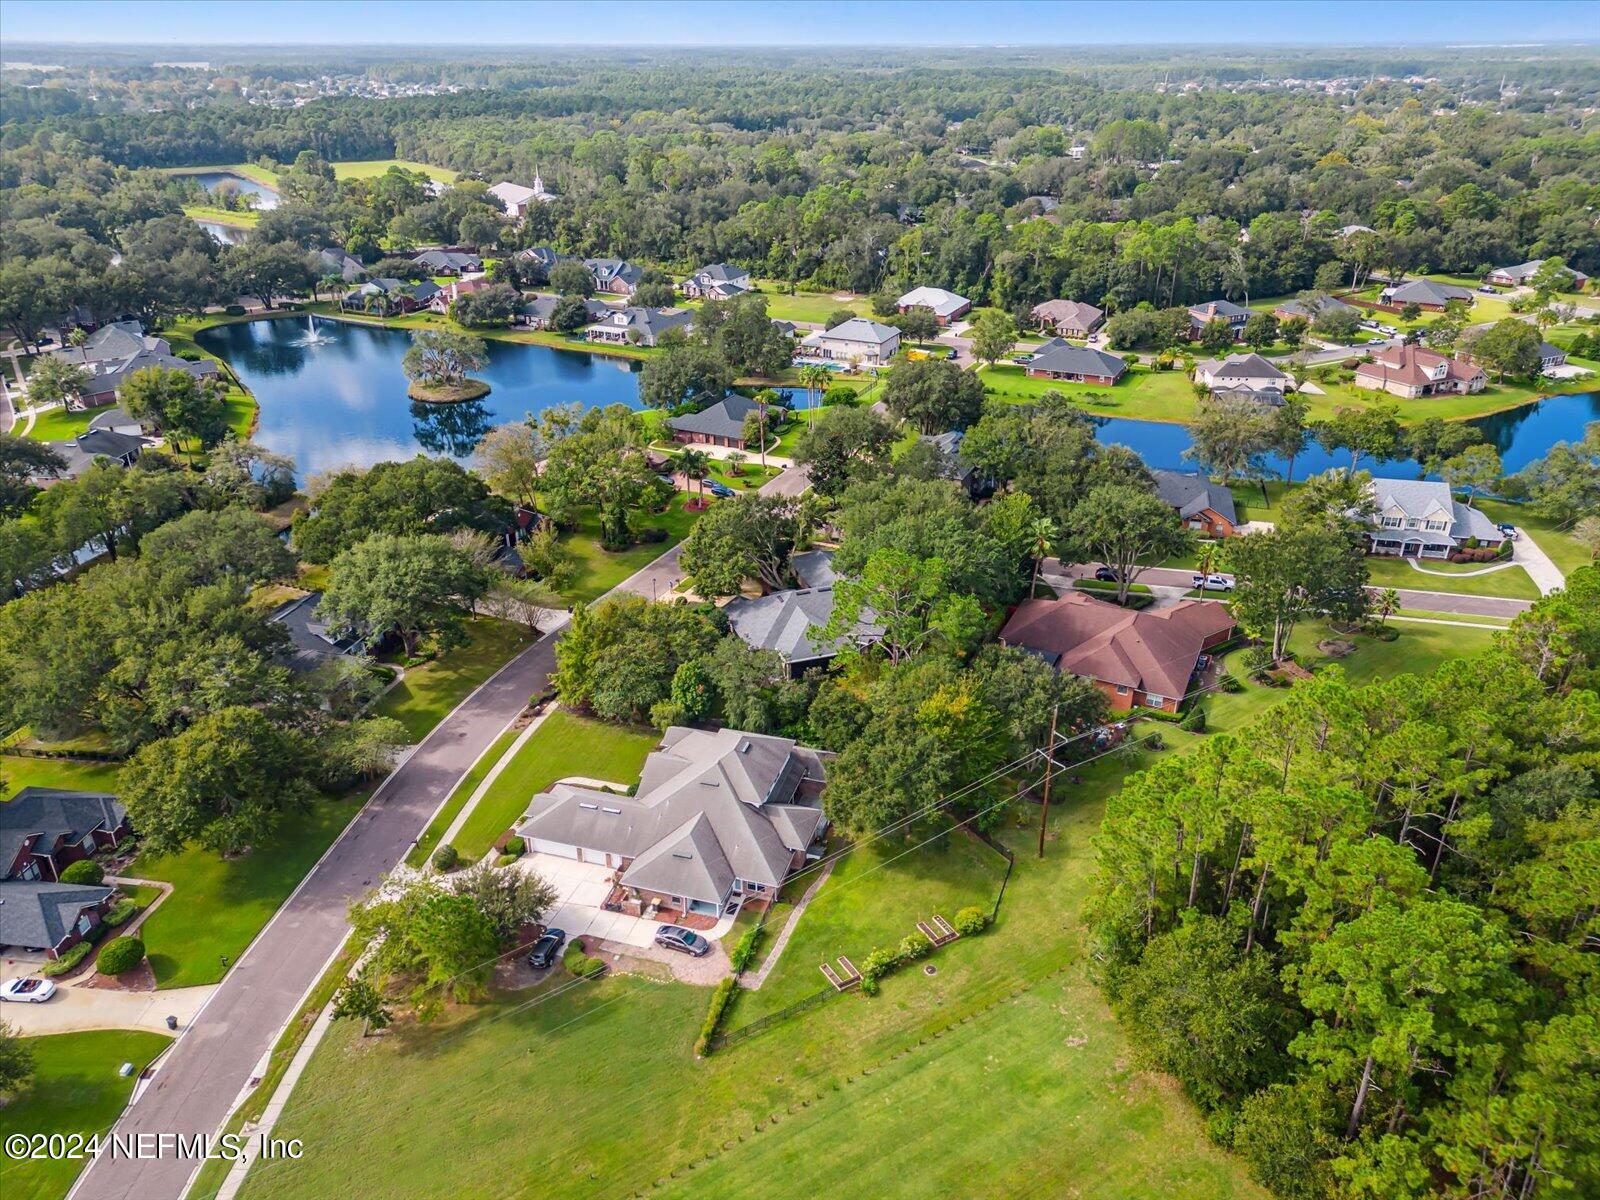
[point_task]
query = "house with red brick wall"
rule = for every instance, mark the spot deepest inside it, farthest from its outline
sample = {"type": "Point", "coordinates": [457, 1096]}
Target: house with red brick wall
{"type": "Point", "coordinates": [45, 830]}
{"type": "Point", "coordinates": [1068, 318]}
{"type": "Point", "coordinates": [1060, 359]}
{"type": "Point", "coordinates": [1411, 372]}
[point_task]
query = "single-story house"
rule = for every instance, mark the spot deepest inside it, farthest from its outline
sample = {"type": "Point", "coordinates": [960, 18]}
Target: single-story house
{"type": "Point", "coordinates": [1521, 273]}
{"type": "Point", "coordinates": [614, 276]}
{"type": "Point", "coordinates": [1201, 315]}
{"type": "Point", "coordinates": [311, 641]}
{"type": "Point", "coordinates": [112, 353]}
{"type": "Point", "coordinates": [517, 199]}
{"type": "Point", "coordinates": [1201, 505]}
{"type": "Point", "coordinates": [117, 420]}
{"type": "Point", "coordinates": [857, 340]}
{"type": "Point", "coordinates": [788, 328]}
{"type": "Point", "coordinates": [1410, 371]}
{"type": "Point", "coordinates": [335, 260]}
{"type": "Point", "coordinates": [1060, 359]}
{"type": "Point", "coordinates": [1269, 397]}
{"type": "Point", "coordinates": [721, 423]}
{"type": "Point", "coordinates": [790, 624]}
{"type": "Point", "coordinates": [1424, 293]}
{"type": "Point", "coordinates": [1135, 659]}
{"type": "Point", "coordinates": [448, 262]}
{"type": "Point", "coordinates": [1312, 307]}
{"type": "Point", "coordinates": [45, 830]}
{"type": "Point", "coordinates": [124, 449]}
{"type": "Point", "coordinates": [50, 917]}
{"type": "Point", "coordinates": [717, 281]}
{"type": "Point", "coordinates": [545, 257]}
{"type": "Point", "coordinates": [1419, 518]}
{"type": "Point", "coordinates": [536, 313]}
{"type": "Point", "coordinates": [388, 296]}
{"type": "Point", "coordinates": [814, 568]}
{"type": "Point", "coordinates": [635, 326]}
{"type": "Point", "coordinates": [978, 483]}
{"type": "Point", "coordinates": [1068, 318]}
{"type": "Point", "coordinates": [451, 292]}
{"type": "Point", "coordinates": [1241, 370]}
{"type": "Point", "coordinates": [1551, 356]}
{"type": "Point", "coordinates": [718, 819]}
{"type": "Point", "coordinates": [946, 306]}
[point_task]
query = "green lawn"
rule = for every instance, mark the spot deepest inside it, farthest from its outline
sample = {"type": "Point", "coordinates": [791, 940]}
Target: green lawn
{"type": "Point", "coordinates": [875, 896]}
{"type": "Point", "coordinates": [17, 773]}
{"type": "Point", "coordinates": [597, 570]}
{"type": "Point", "coordinates": [242, 218]}
{"type": "Point", "coordinates": [75, 1089]}
{"type": "Point", "coordinates": [428, 692]}
{"type": "Point", "coordinates": [566, 744]}
{"type": "Point", "coordinates": [1566, 551]}
{"type": "Point", "coordinates": [259, 174]}
{"type": "Point", "coordinates": [807, 306]}
{"type": "Point", "coordinates": [59, 425]}
{"type": "Point", "coordinates": [1512, 582]}
{"type": "Point", "coordinates": [218, 905]}
{"type": "Point", "coordinates": [371, 168]}
{"type": "Point", "coordinates": [458, 799]}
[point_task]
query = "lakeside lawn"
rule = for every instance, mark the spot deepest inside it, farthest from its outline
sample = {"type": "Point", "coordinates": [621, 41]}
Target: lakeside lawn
{"type": "Point", "coordinates": [1566, 551]}
{"type": "Point", "coordinates": [75, 1089]}
{"type": "Point", "coordinates": [1004, 1065]}
{"type": "Point", "coordinates": [238, 218]}
{"type": "Point", "coordinates": [59, 425]}
{"type": "Point", "coordinates": [252, 171]}
{"type": "Point", "coordinates": [565, 744]}
{"type": "Point", "coordinates": [427, 692]}
{"type": "Point", "coordinates": [814, 307]}
{"type": "Point", "coordinates": [597, 570]}
{"type": "Point", "coordinates": [1512, 582]}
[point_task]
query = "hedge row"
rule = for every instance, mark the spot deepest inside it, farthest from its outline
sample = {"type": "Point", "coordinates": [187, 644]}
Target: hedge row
{"type": "Point", "coordinates": [914, 946]}
{"type": "Point", "coordinates": [721, 997]}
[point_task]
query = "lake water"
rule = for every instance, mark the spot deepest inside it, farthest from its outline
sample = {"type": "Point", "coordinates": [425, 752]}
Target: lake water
{"type": "Point", "coordinates": [344, 401]}
{"type": "Point", "coordinates": [265, 197]}
{"type": "Point", "coordinates": [228, 235]}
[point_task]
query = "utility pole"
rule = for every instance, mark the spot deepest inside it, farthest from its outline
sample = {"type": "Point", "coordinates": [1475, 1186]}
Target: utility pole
{"type": "Point", "coordinates": [1049, 772]}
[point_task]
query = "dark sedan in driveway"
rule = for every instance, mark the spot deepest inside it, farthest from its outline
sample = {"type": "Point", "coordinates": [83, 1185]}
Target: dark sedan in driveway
{"type": "Point", "coordinates": [685, 941]}
{"type": "Point", "coordinates": [546, 948]}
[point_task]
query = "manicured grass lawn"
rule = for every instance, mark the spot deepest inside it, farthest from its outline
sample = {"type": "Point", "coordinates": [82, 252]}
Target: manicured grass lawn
{"type": "Point", "coordinates": [218, 905]}
{"type": "Point", "coordinates": [1566, 551]}
{"type": "Point", "coordinates": [59, 425]}
{"type": "Point", "coordinates": [597, 570]}
{"type": "Point", "coordinates": [875, 896]}
{"type": "Point", "coordinates": [17, 773]}
{"type": "Point", "coordinates": [1468, 618]}
{"type": "Point", "coordinates": [1249, 505]}
{"type": "Point", "coordinates": [1142, 393]}
{"type": "Point", "coordinates": [428, 692]}
{"type": "Point", "coordinates": [371, 168]}
{"type": "Point", "coordinates": [242, 218]}
{"type": "Point", "coordinates": [458, 798]}
{"type": "Point", "coordinates": [566, 744]}
{"type": "Point", "coordinates": [1442, 576]}
{"type": "Point", "coordinates": [807, 306]}
{"type": "Point", "coordinates": [75, 1089]}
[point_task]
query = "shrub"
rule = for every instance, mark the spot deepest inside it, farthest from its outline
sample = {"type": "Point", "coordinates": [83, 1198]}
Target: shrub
{"type": "Point", "coordinates": [515, 847]}
{"type": "Point", "coordinates": [504, 860]}
{"type": "Point", "coordinates": [67, 961]}
{"type": "Point", "coordinates": [85, 870]}
{"type": "Point", "coordinates": [745, 951]}
{"type": "Point", "coordinates": [869, 987]}
{"type": "Point", "coordinates": [579, 963]}
{"type": "Point", "coordinates": [120, 955]}
{"type": "Point", "coordinates": [234, 310]}
{"type": "Point", "coordinates": [878, 964]}
{"type": "Point", "coordinates": [970, 921]}
{"type": "Point", "coordinates": [1504, 551]}
{"type": "Point", "coordinates": [652, 534]}
{"type": "Point", "coordinates": [1195, 722]}
{"type": "Point", "coordinates": [1230, 684]}
{"type": "Point", "coordinates": [1472, 543]}
{"type": "Point", "coordinates": [721, 997]}
{"type": "Point", "coordinates": [446, 858]}
{"type": "Point", "coordinates": [120, 913]}
{"type": "Point", "coordinates": [1155, 741]}
{"type": "Point", "coordinates": [845, 396]}
{"type": "Point", "coordinates": [915, 945]}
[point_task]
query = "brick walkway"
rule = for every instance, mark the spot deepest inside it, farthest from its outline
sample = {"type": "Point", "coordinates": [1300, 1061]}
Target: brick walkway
{"type": "Point", "coordinates": [789, 928]}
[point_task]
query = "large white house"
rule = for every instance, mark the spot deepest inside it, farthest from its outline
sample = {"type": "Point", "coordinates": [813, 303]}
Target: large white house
{"type": "Point", "coordinates": [516, 199]}
{"type": "Point", "coordinates": [945, 306]}
{"type": "Point", "coordinates": [1419, 518]}
{"type": "Point", "coordinates": [855, 341]}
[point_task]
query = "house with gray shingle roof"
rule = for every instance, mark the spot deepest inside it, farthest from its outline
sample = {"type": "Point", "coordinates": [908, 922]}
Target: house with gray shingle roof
{"type": "Point", "coordinates": [1521, 273]}
{"type": "Point", "coordinates": [857, 340]}
{"type": "Point", "coordinates": [1201, 315]}
{"type": "Point", "coordinates": [51, 917]}
{"type": "Point", "coordinates": [717, 281]}
{"type": "Point", "coordinates": [112, 353]}
{"type": "Point", "coordinates": [790, 624]}
{"type": "Point", "coordinates": [636, 326]}
{"type": "Point", "coordinates": [614, 275]}
{"type": "Point", "coordinates": [1424, 293]}
{"type": "Point", "coordinates": [718, 819]}
{"type": "Point", "coordinates": [722, 423]}
{"type": "Point", "coordinates": [1060, 359]}
{"type": "Point", "coordinates": [1201, 505]}
{"type": "Point", "coordinates": [945, 305]}
{"type": "Point", "coordinates": [1068, 318]}
{"type": "Point", "coordinates": [1419, 518]}
{"type": "Point", "coordinates": [448, 262]}
{"type": "Point", "coordinates": [45, 830]}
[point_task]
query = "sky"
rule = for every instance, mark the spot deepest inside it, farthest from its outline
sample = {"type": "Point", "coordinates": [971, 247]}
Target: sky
{"type": "Point", "coordinates": [797, 22]}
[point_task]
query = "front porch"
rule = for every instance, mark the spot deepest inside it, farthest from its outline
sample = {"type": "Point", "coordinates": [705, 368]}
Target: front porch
{"type": "Point", "coordinates": [1408, 546]}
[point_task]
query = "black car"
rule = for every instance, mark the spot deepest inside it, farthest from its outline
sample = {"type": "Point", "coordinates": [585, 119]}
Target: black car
{"type": "Point", "coordinates": [685, 941]}
{"type": "Point", "coordinates": [546, 948]}
{"type": "Point", "coordinates": [1105, 574]}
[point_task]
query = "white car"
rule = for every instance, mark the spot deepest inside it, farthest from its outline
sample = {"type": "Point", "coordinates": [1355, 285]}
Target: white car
{"type": "Point", "coordinates": [27, 991]}
{"type": "Point", "coordinates": [1213, 583]}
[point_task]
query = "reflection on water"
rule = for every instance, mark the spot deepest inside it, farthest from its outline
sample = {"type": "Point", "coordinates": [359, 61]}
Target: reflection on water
{"type": "Point", "coordinates": [453, 429]}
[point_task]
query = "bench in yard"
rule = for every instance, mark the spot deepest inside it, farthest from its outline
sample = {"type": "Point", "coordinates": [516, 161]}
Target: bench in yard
{"type": "Point", "coordinates": [947, 931]}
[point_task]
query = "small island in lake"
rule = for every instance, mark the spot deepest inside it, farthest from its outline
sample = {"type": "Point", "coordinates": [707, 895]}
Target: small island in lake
{"type": "Point", "coordinates": [437, 364]}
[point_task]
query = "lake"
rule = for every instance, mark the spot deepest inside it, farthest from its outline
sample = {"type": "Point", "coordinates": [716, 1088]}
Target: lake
{"type": "Point", "coordinates": [344, 401]}
{"type": "Point", "coordinates": [265, 197]}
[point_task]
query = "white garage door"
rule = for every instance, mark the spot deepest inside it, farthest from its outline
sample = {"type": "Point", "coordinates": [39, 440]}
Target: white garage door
{"type": "Point", "coordinates": [556, 848]}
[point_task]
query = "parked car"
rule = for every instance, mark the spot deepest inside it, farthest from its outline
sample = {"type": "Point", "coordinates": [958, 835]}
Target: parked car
{"type": "Point", "coordinates": [720, 490]}
{"type": "Point", "coordinates": [546, 948]}
{"type": "Point", "coordinates": [1213, 583]}
{"type": "Point", "coordinates": [1105, 574]}
{"type": "Point", "coordinates": [1487, 290]}
{"type": "Point", "coordinates": [1509, 532]}
{"type": "Point", "coordinates": [27, 991]}
{"type": "Point", "coordinates": [685, 941]}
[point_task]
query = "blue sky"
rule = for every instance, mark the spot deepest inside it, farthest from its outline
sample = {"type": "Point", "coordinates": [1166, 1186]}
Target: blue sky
{"type": "Point", "coordinates": [793, 22]}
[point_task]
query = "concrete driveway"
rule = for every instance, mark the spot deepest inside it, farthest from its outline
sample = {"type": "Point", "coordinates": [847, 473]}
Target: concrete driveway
{"type": "Point", "coordinates": [583, 888]}
{"type": "Point", "coordinates": [74, 1008]}
{"type": "Point", "coordinates": [1532, 558]}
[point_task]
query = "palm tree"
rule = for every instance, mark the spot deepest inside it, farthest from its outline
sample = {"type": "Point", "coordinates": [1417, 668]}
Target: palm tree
{"type": "Point", "coordinates": [813, 378]}
{"type": "Point", "coordinates": [1042, 535]}
{"type": "Point", "coordinates": [1388, 603]}
{"type": "Point", "coordinates": [695, 465]}
{"type": "Point", "coordinates": [763, 398]}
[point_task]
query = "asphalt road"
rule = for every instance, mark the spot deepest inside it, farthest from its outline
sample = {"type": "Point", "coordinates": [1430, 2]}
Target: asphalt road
{"type": "Point", "coordinates": [215, 1058]}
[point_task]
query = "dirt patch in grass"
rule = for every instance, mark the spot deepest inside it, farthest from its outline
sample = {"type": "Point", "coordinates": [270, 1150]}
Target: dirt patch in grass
{"type": "Point", "coordinates": [1336, 648]}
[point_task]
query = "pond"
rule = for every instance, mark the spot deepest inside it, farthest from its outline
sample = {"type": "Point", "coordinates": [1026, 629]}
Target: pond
{"type": "Point", "coordinates": [342, 399]}
{"type": "Point", "coordinates": [228, 235]}
{"type": "Point", "coordinates": [265, 197]}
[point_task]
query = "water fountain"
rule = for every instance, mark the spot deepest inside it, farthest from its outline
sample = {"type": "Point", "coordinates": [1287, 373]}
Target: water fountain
{"type": "Point", "coordinates": [312, 337]}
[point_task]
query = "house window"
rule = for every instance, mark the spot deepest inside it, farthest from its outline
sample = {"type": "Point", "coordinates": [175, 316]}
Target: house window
{"type": "Point", "coordinates": [1153, 700]}
{"type": "Point", "coordinates": [1391, 522]}
{"type": "Point", "coordinates": [1434, 526]}
{"type": "Point", "coordinates": [1121, 690]}
{"type": "Point", "coordinates": [30, 871]}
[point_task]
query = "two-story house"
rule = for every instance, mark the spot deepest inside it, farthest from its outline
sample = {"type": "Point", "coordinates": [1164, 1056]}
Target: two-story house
{"type": "Point", "coordinates": [1201, 315]}
{"type": "Point", "coordinates": [857, 340]}
{"type": "Point", "coordinates": [1410, 372]}
{"type": "Point", "coordinates": [1419, 518]}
